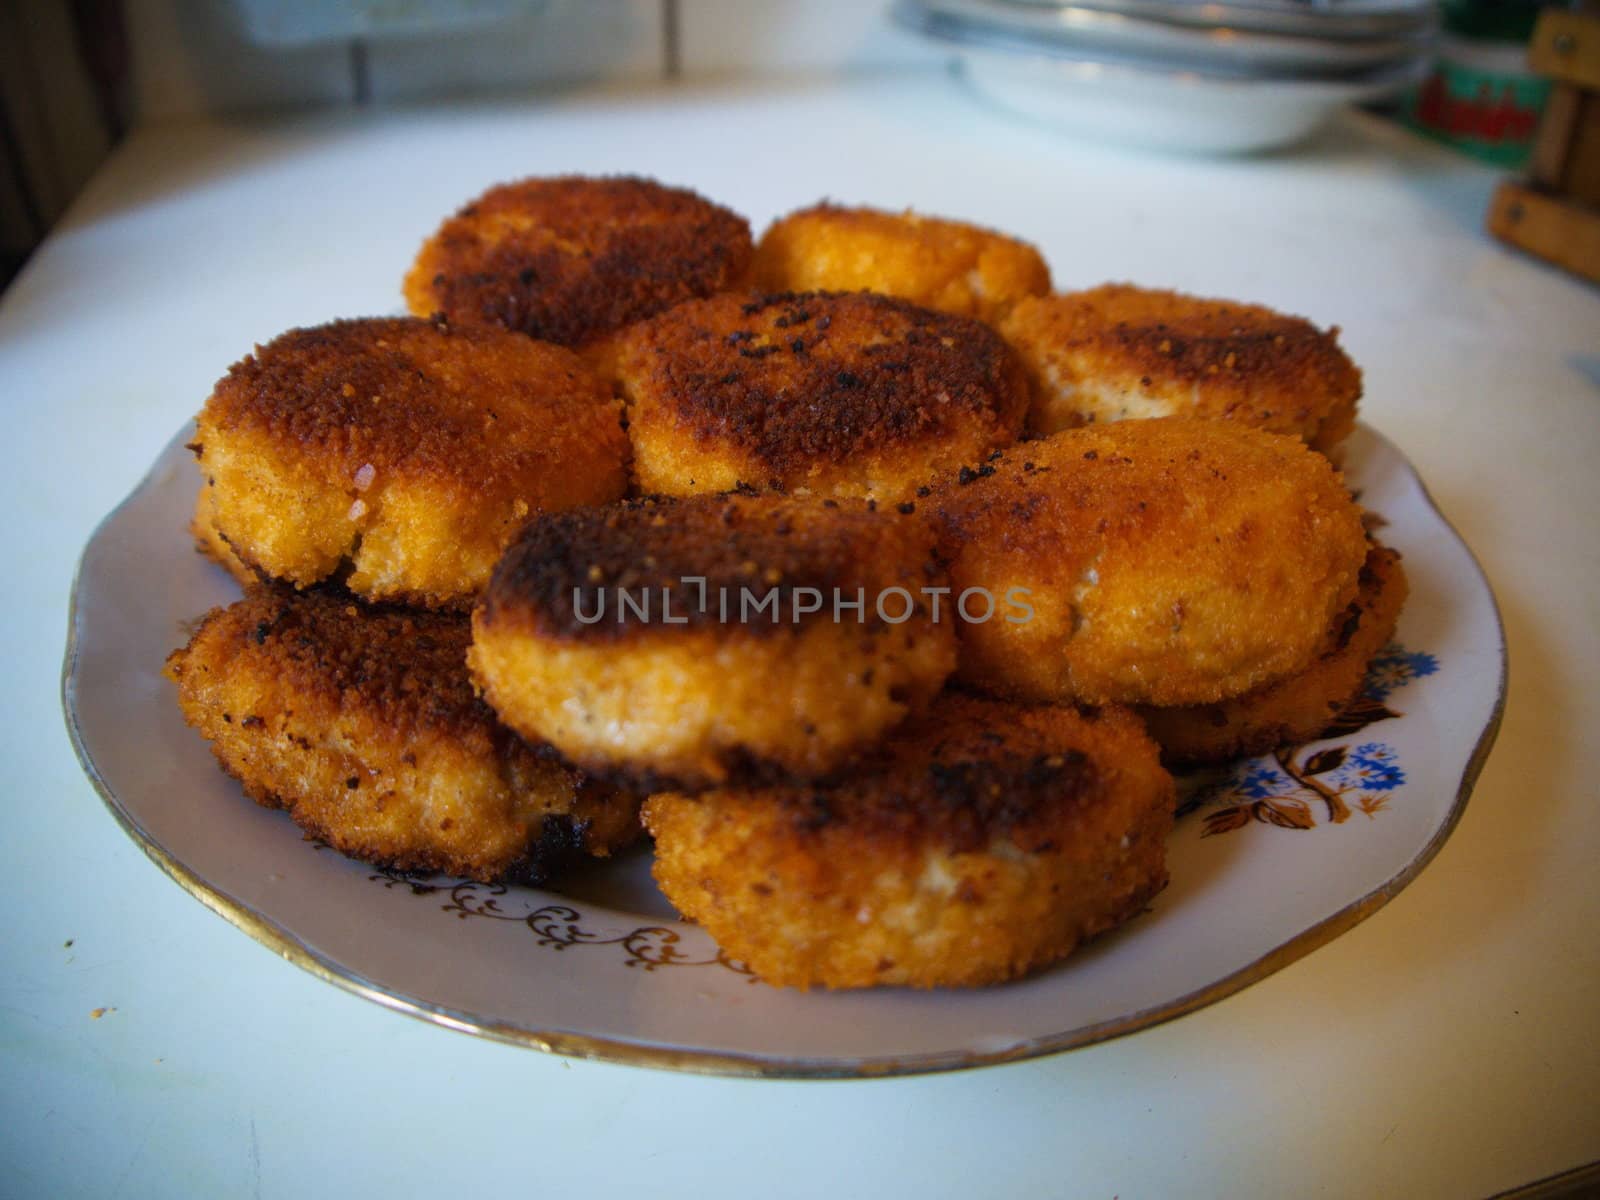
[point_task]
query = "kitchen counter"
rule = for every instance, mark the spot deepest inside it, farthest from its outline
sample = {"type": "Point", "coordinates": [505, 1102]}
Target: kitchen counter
{"type": "Point", "coordinates": [1446, 1047]}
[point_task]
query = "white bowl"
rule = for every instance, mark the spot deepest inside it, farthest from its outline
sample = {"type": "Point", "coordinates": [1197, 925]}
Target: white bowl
{"type": "Point", "coordinates": [1165, 109]}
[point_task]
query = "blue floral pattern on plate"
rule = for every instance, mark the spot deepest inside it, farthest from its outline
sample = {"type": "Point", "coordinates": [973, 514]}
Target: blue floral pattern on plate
{"type": "Point", "coordinates": [1291, 787]}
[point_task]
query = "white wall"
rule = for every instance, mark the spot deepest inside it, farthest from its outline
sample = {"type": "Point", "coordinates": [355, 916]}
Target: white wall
{"type": "Point", "coordinates": [197, 56]}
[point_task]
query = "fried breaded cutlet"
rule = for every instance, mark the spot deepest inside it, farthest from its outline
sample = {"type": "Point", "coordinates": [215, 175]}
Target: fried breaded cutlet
{"type": "Point", "coordinates": [1299, 708]}
{"type": "Point", "coordinates": [209, 541]}
{"type": "Point", "coordinates": [400, 456]}
{"type": "Point", "coordinates": [363, 724]}
{"type": "Point", "coordinates": [947, 265]}
{"type": "Point", "coordinates": [838, 395]}
{"type": "Point", "coordinates": [979, 842]}
{"type": "Point", "coordinates": [1172, 561]}
{"type": "Point", "coordinates": [1117, 352]}
{"type": "Point", "coordinates": [684, 643]}
{"type": "Point", "coordinates": [573, 259]}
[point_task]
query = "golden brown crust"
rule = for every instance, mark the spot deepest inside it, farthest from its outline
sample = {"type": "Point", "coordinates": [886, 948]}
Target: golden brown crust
{"type": "Point", "coordinates": [744, 675]}
{"type": "Point", "coordinates": [1167, 561]}
{"type": "Point", "coordinates": [839, 394]}
{"type": "Point", "coordinates": [947, 265]}
{"type": "Point", "coordinates": [363, 724]}
{"type": "Point", "coordinates": [1119, 351]}
{"type": "Point", "coordinates": [208, 540]}
{"type": "Point", "coordinates": [432, 402]}
{"type": "Point", "coordinates": [1299, 708]}
{"type": "Point", "coordinates": [572, 259]}
{"type": "Point", "coordinates": [407, 452]}
{"type": "Point", "coordinates": [979, 842]}
{"type": "Point", "coordinates": [1338, 425]}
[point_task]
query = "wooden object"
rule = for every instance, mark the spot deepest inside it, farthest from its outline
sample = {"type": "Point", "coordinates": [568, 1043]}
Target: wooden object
{"type": "Point", "coordinates": [1566, 47]}
{"type": "Point", "coordinates": [1558, 231]}
{"type": "Point", "coordinates": [1555, 214]}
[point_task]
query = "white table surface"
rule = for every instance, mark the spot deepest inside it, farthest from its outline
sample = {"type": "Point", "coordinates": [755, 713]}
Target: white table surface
{"type": "Point", "coordinates": [1449, 1046]}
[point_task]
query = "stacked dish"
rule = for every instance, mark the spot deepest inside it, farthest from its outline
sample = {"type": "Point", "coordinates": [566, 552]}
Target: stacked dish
{"type": "Point", "coordinates": [1230, 77]}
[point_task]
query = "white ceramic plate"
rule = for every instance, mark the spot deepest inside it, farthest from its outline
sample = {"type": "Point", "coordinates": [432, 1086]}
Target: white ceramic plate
{"type": "Point", "coordinates": [1272, 859]}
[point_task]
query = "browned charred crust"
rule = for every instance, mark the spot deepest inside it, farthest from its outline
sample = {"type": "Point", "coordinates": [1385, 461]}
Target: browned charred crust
{"type": "Point", "coordinates": [763, 543]}
{"type": "Point", "coordinates": [961, 805]}
{"type": "Point", "coordinates": [399, 394]}
{"type": "Point", "coordinates": [794, 379]}
{"type": "Point", "coordinates": [562, 839]}
{"type": "Point", "coordinates": [395, 684]}
{"type": "Point", "coordinates": [969, 771]}
{"type": "Point", "coordinates": [406, 668]}
{"type": "Point", "coordinates": [1266, 347]}
{"type": "Point", "coordinates": [738, 766]}
{"type": "Point", "coordinates": [980, 841]}
{"type": "Point", "coordinates": [571, 259]}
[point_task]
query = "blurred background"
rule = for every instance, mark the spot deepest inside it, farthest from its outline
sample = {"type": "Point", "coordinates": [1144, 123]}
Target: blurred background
{"type": "Point", "coordinates": [1185, 76]}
